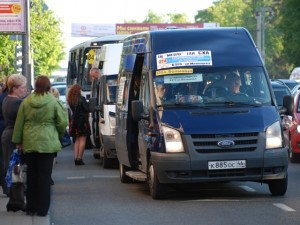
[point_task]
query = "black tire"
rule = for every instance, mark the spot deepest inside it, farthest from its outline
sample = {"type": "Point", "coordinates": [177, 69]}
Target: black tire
{"type": "Point", "coordinates": [278, 187]}
{"type": "Point", "coordinates": [157, 190]}
{"type": "Point", "coordinates": [96, 155]}
{"type": "Point", "coordinates": [107, 162]}
{"type": "Point", "coordinates": [123, 177]}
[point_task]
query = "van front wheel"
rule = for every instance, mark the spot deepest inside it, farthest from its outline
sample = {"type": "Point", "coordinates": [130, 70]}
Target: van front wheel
{"type": "Point", "coordinates": [278, 187]}
{"type": "Point", "coordinates": [123, 177]}
{"type": "Point", "coordinates": [157, 190]}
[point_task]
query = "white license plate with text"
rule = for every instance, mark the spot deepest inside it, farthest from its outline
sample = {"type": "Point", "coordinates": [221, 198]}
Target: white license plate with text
{"type": "Point", "coordinates": [222, 165]}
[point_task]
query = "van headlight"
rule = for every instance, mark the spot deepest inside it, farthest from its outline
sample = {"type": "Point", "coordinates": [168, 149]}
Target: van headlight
{"type": "Point", "coordinates": [273, 136]}
{"type": "Point", "coordinates": [173, 140]}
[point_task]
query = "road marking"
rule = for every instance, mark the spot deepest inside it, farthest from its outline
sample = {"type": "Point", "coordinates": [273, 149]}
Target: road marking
{"type": "Point", "coordinates": [101, 176]}
{"type": "Point", "coordinates": [76, 178]}
{"type": "Point", "coordinates": [283, 207]}
{"type": "Point", "coordinates": [218, 200]}
{"type": "Point", "coordinates": [247, 188]}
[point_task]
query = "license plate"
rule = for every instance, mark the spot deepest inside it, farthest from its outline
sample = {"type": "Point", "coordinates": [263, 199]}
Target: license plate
{"type": "Point", "coordinates": [222, 165]}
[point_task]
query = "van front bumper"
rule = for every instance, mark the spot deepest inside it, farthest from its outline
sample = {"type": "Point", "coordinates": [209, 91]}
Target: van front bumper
{"type": "Point", "coordinates": [180, 168]}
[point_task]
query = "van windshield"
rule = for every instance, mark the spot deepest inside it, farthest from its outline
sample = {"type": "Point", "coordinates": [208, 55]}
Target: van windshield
{"type": "Point", "coordinates": [188, 86]}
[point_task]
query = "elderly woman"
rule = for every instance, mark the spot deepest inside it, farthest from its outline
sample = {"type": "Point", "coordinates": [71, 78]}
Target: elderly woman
{"type": "Point", "coordinates": [17, 90]}
{"type": "Point", "coordinates": [40, 122]}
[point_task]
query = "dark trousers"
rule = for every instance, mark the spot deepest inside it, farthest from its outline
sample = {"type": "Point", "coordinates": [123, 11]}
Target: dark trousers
{"type": "Point", "coordinates": [39, 170]}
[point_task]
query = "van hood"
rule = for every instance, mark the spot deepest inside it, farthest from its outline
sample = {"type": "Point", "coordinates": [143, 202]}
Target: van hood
{"type": "Point", "coordinates": [223, 120]}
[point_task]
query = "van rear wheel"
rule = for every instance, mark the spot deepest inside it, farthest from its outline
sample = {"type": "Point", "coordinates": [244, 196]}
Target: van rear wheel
{"type": "Point", "coordinates": [107, 162]}
{"type": "Point", "coordinates": [278, 187]}
{"type": "Point", "coordinates": [157, 189]}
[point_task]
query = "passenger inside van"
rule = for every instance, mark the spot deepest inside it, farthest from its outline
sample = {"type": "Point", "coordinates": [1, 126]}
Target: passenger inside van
{"type": "Point", "coordinates": [160, 93]}
{"type": "Point", "coordinates": [192, 95]}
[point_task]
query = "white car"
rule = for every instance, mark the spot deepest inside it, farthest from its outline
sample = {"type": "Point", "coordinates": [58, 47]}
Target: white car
{"type": "Point", "coordinates": [62, 89]}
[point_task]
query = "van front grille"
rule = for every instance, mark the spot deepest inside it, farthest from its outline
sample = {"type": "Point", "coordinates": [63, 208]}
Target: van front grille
{"type": "Point", "coordinates": [208, 143]}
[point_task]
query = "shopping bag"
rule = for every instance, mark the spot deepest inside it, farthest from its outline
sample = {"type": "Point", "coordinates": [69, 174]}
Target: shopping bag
{"type": "Point", "coordinates": [15, 172]}
{"type": "Point", "coordinates": [16, 179]}
{"type": "Point", "coordinates": [66, 140]}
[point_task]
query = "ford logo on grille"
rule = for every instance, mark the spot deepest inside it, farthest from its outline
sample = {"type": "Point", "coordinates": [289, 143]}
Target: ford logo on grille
{"type": "Point", "coordinates": [225, 143]}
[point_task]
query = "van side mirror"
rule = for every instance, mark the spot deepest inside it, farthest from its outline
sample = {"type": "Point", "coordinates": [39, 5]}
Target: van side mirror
{"type": "Point", "coordinates": [288, 105]}
{"type": "Point", "coordinates": [137, 110]}
{"type": "Point", "coordinates": [92, 104]}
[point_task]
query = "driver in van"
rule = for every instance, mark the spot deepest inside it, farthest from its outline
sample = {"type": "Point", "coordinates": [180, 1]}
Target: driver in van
{"type": "Point", "coordinates": [234, 84]}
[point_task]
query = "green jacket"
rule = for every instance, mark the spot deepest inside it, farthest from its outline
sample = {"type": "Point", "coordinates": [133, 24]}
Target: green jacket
{"type": "Point", "coordinates": [41, 121]}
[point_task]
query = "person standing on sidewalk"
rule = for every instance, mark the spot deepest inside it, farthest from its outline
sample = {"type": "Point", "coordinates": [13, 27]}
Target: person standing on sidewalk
{"type": "Point", "coordinates": [4, 92]}
{"type": "Point", "coordinates": [17, 90]}
{"type": "Point", "coordinates": [40, 122]}
{"type": "Point", "coordinates": [80, 124]}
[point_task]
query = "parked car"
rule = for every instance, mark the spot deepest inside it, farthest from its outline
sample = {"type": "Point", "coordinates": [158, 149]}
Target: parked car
{"type": "Point", "coordinates": [62, 89]}
{"type": "Point", "coordinates": [58, 83]}
{"type": "Point", "coordinates": [290, 83]}
{"type": "Point", "coordinates": [295, 131]}
{"type": "Point", "coordinates": [280, 90]}
{"type": "Point", "coordinates": [295, 89]}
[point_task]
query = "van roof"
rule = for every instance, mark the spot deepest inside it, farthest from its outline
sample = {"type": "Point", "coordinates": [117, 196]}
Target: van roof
{"type": "Point", "coordinates": [228, 46]}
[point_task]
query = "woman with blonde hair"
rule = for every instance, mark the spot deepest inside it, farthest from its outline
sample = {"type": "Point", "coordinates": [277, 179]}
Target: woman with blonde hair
{"type": "Point", "coordinates": [17, 90]}
{"type": "Point", "coordinates": [80, 125]}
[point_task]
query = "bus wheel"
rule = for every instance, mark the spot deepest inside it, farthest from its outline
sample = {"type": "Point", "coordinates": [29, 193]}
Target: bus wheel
{"type": "Point", "coordinates": [123, 177]}
{"type": "Point", "coordinates": [157, 190]}
{"type": "Point", "coordinates": [278, 187]}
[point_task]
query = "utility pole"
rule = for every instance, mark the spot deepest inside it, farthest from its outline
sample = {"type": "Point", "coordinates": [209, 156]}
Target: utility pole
{"type": "Point", "coordinates": [26, 66]}
{"type": "Point", "coordinates": [261, 28]}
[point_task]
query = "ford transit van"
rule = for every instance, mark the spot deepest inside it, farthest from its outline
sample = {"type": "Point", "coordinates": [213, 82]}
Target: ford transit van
{"type": "Point", "coordinates": [196, 105]}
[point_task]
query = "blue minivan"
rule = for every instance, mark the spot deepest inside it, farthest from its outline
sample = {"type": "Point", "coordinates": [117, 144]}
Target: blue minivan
{"type": "Point", "coordinates": [196, 105]}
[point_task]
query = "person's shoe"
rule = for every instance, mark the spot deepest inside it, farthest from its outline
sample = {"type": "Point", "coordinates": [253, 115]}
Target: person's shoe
{"type": "Point", "coordinates": [42, 214]}
{"type": "Point", "coordinates": [79, 162]}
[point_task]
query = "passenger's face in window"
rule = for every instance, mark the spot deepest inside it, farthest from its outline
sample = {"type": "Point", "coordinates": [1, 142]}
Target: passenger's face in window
{"type": "Point", "coordinates": [161, 90]}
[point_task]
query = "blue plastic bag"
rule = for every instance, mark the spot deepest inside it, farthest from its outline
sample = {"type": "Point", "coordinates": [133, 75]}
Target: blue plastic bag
{"type": "Point", "coordinates": [15, 160]}
{"type": "Point", "coordinates": [66, 140]}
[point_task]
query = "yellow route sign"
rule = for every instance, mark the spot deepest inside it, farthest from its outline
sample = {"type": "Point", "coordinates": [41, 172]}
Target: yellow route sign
{"type": "Point", "coordinates": [90, 56]}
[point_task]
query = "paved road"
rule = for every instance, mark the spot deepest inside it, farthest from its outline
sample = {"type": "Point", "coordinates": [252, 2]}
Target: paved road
{"type": "Point", "coordinates": [91, 195]}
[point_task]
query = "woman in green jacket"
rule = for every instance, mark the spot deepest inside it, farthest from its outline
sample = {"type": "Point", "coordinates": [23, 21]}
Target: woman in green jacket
{"type": "Point", "coordinates": [40, 122]}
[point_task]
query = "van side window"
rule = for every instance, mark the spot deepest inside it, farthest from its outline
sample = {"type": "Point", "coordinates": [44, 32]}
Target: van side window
{"type": "Point", "coordinates": [145, 96]}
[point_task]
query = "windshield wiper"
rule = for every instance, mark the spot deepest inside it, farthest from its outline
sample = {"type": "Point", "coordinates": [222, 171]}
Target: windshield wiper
{"type": "Point", "coordinates": [232, 103]}
{"type": "Point", "coordinates": [242, 103]}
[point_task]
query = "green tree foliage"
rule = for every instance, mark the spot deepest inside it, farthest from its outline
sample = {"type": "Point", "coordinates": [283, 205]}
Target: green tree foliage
{"type": "Point", "coordinates": [290, 26]}
{"type": "Point", "coordinates": [46, 39]}
{"type": "Point", "coordinates": [7, 57]}
{"type": "Point", "coordinates": [178, 18]}
{"type": "Point", "coordinates": [243, 13]}
{"type": "Point", "coordinates": [152, 17]}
